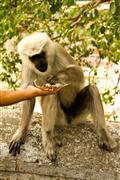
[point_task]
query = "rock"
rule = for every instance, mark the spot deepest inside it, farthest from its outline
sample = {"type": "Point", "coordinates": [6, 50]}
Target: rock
{"type": "Point", "coordinates": [78, 158]}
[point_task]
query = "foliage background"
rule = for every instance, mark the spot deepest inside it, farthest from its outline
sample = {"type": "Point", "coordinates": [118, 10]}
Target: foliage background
{"type": "Point", "coordinates": [83, 30]}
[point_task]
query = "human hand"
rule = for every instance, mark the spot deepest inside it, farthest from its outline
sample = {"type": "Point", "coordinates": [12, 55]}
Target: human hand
{"type": "Point", "coordinates": [42, 91]}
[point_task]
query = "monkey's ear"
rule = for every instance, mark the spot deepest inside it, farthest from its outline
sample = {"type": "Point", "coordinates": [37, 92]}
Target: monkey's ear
{"type": "Point", "coordinates": [33, 44]}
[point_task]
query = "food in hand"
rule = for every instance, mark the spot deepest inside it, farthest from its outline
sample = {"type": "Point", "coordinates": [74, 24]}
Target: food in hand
{"type": "Point", "coordinates": [49, 87]}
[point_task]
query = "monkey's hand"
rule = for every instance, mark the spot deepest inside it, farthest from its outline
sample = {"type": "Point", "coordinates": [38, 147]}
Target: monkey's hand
{"type": "Point", "coordinates": [52, 79]}
{"type": "Point", "coordinates": [16, 141]}
{"type": "Point", "coordinates": [57, 81]}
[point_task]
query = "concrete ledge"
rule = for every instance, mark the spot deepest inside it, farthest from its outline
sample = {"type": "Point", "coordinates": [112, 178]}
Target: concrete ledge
{"type": "Point", "coordinates": [78, 158]}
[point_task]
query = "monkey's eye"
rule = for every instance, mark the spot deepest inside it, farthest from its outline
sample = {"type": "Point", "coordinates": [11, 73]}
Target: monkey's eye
{"type": "Point", "coordinates": [40, 61]}
{"type": "Point", "coordinates": [33, 58]}
{"type": "Point", "coordinates": [38, 57]}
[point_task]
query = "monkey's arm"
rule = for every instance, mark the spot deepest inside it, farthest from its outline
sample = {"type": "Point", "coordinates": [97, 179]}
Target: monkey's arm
{"type": "Point", "coordinates": [72, 75]}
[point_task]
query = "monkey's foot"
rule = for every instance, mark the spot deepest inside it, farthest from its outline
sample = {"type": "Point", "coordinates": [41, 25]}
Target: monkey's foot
{"type": "Point", "coordinates": [16, 141]}
{"type": "Point", "coordinates": [49, 143]}
{"type": "Point", "coordinates": [58, 142]}
{"type": "Point", "coordinates": [50, 150]}
{"type": "Point", "coordinates": [106, 142]}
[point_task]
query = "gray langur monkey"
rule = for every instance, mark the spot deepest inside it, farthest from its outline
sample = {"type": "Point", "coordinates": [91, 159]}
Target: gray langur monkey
{"type": "Point", "coordinates": [48, 62]}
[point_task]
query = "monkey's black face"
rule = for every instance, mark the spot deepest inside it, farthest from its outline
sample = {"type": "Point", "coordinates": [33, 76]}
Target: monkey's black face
{"type": "Point", "coordinates": [40, 62]}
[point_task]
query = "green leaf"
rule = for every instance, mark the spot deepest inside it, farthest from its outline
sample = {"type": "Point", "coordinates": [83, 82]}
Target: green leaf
{"type": "Point", "coordinates": [102, 29]}
{"type": "Point", "coordinates": [112, 8]}
{"type": "Point", "coordinates": [42, 15]}
{"type": "Point", "coordinates": [117, 3]}
{"type": "Point", "coordinates": [68, 2]}
{"type": "Point", "coordinates": [96, 13]}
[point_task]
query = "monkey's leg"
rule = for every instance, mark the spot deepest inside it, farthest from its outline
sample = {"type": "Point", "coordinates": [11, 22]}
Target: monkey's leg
{"type": "Point", "coordinates": [96, 109]}
{"type": "Point", "coordinates": [19, 137]}
{"type": "Point", "coordinates": [50, 107]}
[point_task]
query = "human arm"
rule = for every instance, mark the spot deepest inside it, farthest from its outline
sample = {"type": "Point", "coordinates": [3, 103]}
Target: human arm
{"type": "Point", "coordinates": [8, 97]}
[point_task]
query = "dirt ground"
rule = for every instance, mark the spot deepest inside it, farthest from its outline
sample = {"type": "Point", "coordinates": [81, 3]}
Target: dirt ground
{"type": "Point", "coordinates": [78, 158]}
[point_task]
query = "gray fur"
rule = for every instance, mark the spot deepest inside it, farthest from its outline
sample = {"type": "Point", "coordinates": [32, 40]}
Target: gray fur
{"type": "Point", "coordinates": [69, 105]}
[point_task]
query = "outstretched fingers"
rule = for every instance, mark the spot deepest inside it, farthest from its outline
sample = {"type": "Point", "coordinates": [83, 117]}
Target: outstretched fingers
{"type": "Point", "coordinates": [14, 148]}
